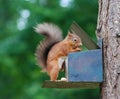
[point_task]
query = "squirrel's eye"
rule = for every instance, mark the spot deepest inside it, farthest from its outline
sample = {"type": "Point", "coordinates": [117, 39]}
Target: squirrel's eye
{"type": "Point", "coordinates": [74, 40]}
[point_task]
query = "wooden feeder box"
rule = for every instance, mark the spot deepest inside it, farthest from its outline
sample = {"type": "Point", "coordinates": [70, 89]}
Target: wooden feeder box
{"type": "Point", "coordinates": [83, 69]}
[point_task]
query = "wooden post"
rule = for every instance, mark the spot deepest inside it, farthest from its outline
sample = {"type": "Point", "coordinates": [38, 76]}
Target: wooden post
{"type": "Point", "coordinates": [108, 28]}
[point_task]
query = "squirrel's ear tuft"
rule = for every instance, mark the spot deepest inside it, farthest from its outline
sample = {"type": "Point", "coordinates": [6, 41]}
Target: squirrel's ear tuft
{"type": "Point", "coordinates": [69, 34]}
{"type": "Point", "coordinates": [72, 32]}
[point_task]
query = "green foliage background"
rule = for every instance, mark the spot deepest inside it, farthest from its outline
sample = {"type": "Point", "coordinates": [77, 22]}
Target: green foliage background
{"type": "Point", "coordinates": [20, 77]}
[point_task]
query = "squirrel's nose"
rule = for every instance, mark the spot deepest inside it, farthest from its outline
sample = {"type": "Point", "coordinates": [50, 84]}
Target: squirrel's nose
{"type": "Point", "coordinates": [80, 44]}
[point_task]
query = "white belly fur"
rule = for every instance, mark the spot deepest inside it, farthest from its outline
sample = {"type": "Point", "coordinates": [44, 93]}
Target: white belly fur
{"type": "Point", "coordinates": [61, 60]}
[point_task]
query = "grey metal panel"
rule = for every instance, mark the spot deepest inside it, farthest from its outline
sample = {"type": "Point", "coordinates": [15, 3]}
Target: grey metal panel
{"type": "Point", "coordinates": [86, 40]}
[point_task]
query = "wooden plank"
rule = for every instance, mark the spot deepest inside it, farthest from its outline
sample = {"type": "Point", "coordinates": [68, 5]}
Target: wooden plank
{"type": "Point", "coordinates": [63, 84]}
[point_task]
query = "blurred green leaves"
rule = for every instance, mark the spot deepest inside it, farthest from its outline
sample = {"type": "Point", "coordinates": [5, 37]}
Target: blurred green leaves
{"type": "Point", "coordinates": [20, 77]}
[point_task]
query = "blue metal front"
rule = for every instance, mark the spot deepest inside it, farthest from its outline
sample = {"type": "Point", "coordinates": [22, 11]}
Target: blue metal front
{"type": "Point", "coordinates": [85, 66]}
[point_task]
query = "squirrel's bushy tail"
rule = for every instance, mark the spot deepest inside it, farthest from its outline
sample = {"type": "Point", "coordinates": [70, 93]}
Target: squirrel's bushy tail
{"type": "Point", "coordinates": [53, 35]}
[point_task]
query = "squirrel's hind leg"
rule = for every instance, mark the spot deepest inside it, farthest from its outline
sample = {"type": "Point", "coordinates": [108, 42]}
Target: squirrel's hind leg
{"type": "Point", "coordinates": [53, 71]}
{"type": "Point", "coordinates": [54, 74]}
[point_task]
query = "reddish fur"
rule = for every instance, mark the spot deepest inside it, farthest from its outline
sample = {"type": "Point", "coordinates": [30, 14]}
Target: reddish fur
{"type": "Point", "coordinates": [53, 47]}
{"type": "Point", "coordinates": [59, 50]}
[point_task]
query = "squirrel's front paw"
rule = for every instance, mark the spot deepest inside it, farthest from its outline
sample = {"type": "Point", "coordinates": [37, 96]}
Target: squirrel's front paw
{"type": "Point", "coordinates": [78, 49]}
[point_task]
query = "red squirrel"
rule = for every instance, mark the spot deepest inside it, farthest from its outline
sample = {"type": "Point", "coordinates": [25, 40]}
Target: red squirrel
{"type": "Point", "coordinates": [53, 47]}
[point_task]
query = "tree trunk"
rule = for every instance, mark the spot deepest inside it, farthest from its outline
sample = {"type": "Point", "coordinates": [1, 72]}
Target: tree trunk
{"type": "Point", "coordinates": [108, 28]}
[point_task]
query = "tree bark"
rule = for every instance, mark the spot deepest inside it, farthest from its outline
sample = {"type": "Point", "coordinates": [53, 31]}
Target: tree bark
{"type": "Point", "coordinates": [108, 28]}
